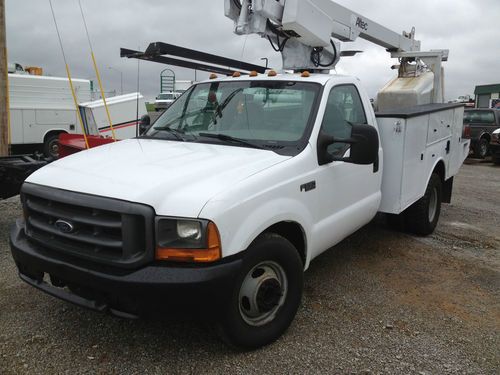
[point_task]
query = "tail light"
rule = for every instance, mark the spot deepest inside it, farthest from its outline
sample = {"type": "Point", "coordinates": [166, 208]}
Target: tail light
{"type": "Point", "coordinates": [466, 131]}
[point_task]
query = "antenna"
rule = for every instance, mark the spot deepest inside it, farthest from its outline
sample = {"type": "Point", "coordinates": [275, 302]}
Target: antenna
{"type": "Point", "coordinates": [69, 78]}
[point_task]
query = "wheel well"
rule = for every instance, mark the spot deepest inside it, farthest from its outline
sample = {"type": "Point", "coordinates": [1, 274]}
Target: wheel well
{"type": "Point", "coordinates": [440, 170]}
{"type": "Point", "coordinates": [294, 233]}
{"type": "Point", "coordinates": [447, 185]}
{"type": "Point", "coordinates": [486, 136]}
{"type": "Point", "coordinates": [51, 133]}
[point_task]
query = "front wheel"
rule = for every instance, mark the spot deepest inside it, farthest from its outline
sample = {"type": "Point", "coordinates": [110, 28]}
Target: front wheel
{"type": "Point", "coordinates": [266, 295]}
{"type": "Point", "coordinates": [422, 217]}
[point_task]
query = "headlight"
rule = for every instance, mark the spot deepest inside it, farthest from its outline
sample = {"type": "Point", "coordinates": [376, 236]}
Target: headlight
{"type": "Point", "coordinates": [495, 136]}
{"type": "Point", "coordinates": [185, 240]}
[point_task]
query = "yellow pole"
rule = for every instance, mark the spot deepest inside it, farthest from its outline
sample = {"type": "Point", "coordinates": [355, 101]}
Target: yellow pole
{"type": "Point", "coordinates": [103, 96]}
{"type": "Point", "coordinates": [75, 100]}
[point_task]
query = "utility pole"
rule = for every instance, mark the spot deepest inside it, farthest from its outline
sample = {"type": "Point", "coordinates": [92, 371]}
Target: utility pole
{"type": "Point", "coordinates": [4, 86]}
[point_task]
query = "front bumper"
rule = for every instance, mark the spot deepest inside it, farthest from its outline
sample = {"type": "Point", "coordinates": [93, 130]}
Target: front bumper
{"type": "Point", "coordinates": [124, 293]}
{"type": "Point", "coordinates": [495, 150]}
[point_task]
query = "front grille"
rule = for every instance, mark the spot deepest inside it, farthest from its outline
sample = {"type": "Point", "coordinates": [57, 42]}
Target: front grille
{"type": "Point", "coordinates": [94, 228]}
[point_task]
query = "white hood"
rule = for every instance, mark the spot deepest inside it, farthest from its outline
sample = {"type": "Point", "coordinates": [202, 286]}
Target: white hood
{"type": "Point", "coordinates": [175, 178]}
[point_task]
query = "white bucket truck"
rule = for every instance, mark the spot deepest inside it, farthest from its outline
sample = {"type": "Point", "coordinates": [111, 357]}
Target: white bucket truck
{"type": "Point", "coordinates": [244, 180]}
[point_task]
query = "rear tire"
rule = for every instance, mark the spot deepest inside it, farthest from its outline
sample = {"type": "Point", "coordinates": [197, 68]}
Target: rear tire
{"type": "Point", "coordinates": [481, 149]}
{"type": "Point", "coordinates": [266, 295]}
{"type": "Point", "coordinates": [422, 217]}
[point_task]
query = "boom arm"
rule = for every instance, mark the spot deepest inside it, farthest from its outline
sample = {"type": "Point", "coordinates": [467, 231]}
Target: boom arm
{"type": "Point", "coordinates": [301, 28]}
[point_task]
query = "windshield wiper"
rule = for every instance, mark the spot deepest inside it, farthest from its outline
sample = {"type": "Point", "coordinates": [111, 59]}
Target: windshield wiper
{"type": "Point", "coordinates": [228, 138]}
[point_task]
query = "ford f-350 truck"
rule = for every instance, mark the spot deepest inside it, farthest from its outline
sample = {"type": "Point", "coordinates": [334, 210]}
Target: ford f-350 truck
{"type": "Point", "coordinates": [226, 199]}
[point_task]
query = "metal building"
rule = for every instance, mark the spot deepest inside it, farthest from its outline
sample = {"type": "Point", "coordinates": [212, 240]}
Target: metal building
{"type": "Point", "coordinates": [488, 96]}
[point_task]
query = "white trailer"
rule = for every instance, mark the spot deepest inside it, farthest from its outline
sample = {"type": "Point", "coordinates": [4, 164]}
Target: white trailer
{"type": "Point", "coordinates": [42, 107]}
{"type": "Point", "coordinates": [125, 111]}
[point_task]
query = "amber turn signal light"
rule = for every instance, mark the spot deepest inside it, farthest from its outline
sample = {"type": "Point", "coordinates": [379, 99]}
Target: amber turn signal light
{"type": "Point", "coordinates": [210, 254]}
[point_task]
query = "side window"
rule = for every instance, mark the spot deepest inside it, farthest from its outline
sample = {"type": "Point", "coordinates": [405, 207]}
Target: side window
{"type": "Point", "coordinates": [344, 107]}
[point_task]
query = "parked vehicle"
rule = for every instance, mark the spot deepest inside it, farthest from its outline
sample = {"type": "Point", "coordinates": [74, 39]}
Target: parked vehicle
{"type": "Point", "coordinates": [467, 100]}
{"type": "Point", "coordinates": [242, 182]}
{"type": "Point", "coordinates": [479, 124]}
{"type": "Point", "coordinates": [41, 108]}
{"type": "Point", "coordinates": [125, 112]}
{"type": "Point", "coordinates": [165, 100]}
{"type": "Point", "coordinates": [495, 146]}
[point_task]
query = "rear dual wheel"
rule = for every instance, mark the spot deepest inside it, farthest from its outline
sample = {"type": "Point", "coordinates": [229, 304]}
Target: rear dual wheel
{"type": "Point", "coordinates": [266, 295]}
{"type": "Point", "coordinates": [422, 217]}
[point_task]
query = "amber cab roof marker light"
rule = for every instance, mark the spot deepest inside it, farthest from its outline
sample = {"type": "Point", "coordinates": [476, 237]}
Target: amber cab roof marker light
{"type": "Point", "coordinates": [236, 75]}
{"type": "Point", "coordinates": [305, 74]}
{"type": "Point", "coordinates": [253, 73]}
{"type": "Point", "coordinates": [213, 76]}
{"type": "Point", "coordinates": [272, 73]}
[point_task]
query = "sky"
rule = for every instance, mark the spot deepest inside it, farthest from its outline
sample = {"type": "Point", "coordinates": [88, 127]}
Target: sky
{"type": "Point", "coordinates": [468, 28]}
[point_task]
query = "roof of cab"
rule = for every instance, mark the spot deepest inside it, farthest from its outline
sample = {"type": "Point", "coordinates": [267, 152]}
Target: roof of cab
{"type": "Point", "coordinates": [316, 78]}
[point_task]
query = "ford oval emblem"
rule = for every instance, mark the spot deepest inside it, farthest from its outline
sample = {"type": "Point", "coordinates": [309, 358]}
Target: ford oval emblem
{"type": "Point", "coordinates": [64, 226]}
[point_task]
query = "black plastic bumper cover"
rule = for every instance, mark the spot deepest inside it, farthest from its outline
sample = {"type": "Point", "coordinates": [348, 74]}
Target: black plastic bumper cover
{"type": "Point", "coordinates": [495, 149]}
{"type": "Point", "coordinates": [152, 285]}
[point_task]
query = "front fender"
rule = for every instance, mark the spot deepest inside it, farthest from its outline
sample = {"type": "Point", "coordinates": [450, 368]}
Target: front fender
{"type": "Point", "coordinates": [241, 224]}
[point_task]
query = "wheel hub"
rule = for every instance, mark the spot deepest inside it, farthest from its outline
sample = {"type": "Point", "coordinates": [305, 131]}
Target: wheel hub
{"type": "Point", "coordinates": [262, 293]}
{"type": "Point", "coordinates": [268, 295]}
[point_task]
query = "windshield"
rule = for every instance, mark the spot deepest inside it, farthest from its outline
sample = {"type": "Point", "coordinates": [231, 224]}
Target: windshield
{"type": "Point", "coordinates": [262, 112]}
{"type": "Point", "coordinates": [165, 97]}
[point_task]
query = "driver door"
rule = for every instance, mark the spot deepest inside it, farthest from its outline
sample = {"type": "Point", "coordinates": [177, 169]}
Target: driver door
{"type": "Point", "coordinates": [348, 194]}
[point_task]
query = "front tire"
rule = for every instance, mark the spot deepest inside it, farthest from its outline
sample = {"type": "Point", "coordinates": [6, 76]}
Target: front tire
{"type": "Point", "coordinates": [422, 217]}
{"type": "Point", "coordinates": [266, 295]}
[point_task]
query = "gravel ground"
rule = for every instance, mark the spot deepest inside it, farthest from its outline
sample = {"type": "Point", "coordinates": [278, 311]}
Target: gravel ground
{"type": "Point", "coordinates": [379, 302]}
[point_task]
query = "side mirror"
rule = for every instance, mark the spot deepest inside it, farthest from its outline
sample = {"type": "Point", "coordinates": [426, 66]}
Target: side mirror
{"type": "Point", "coordinates": [144, 124]}
{"type": "Point", "coordinates": [364, 146]}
